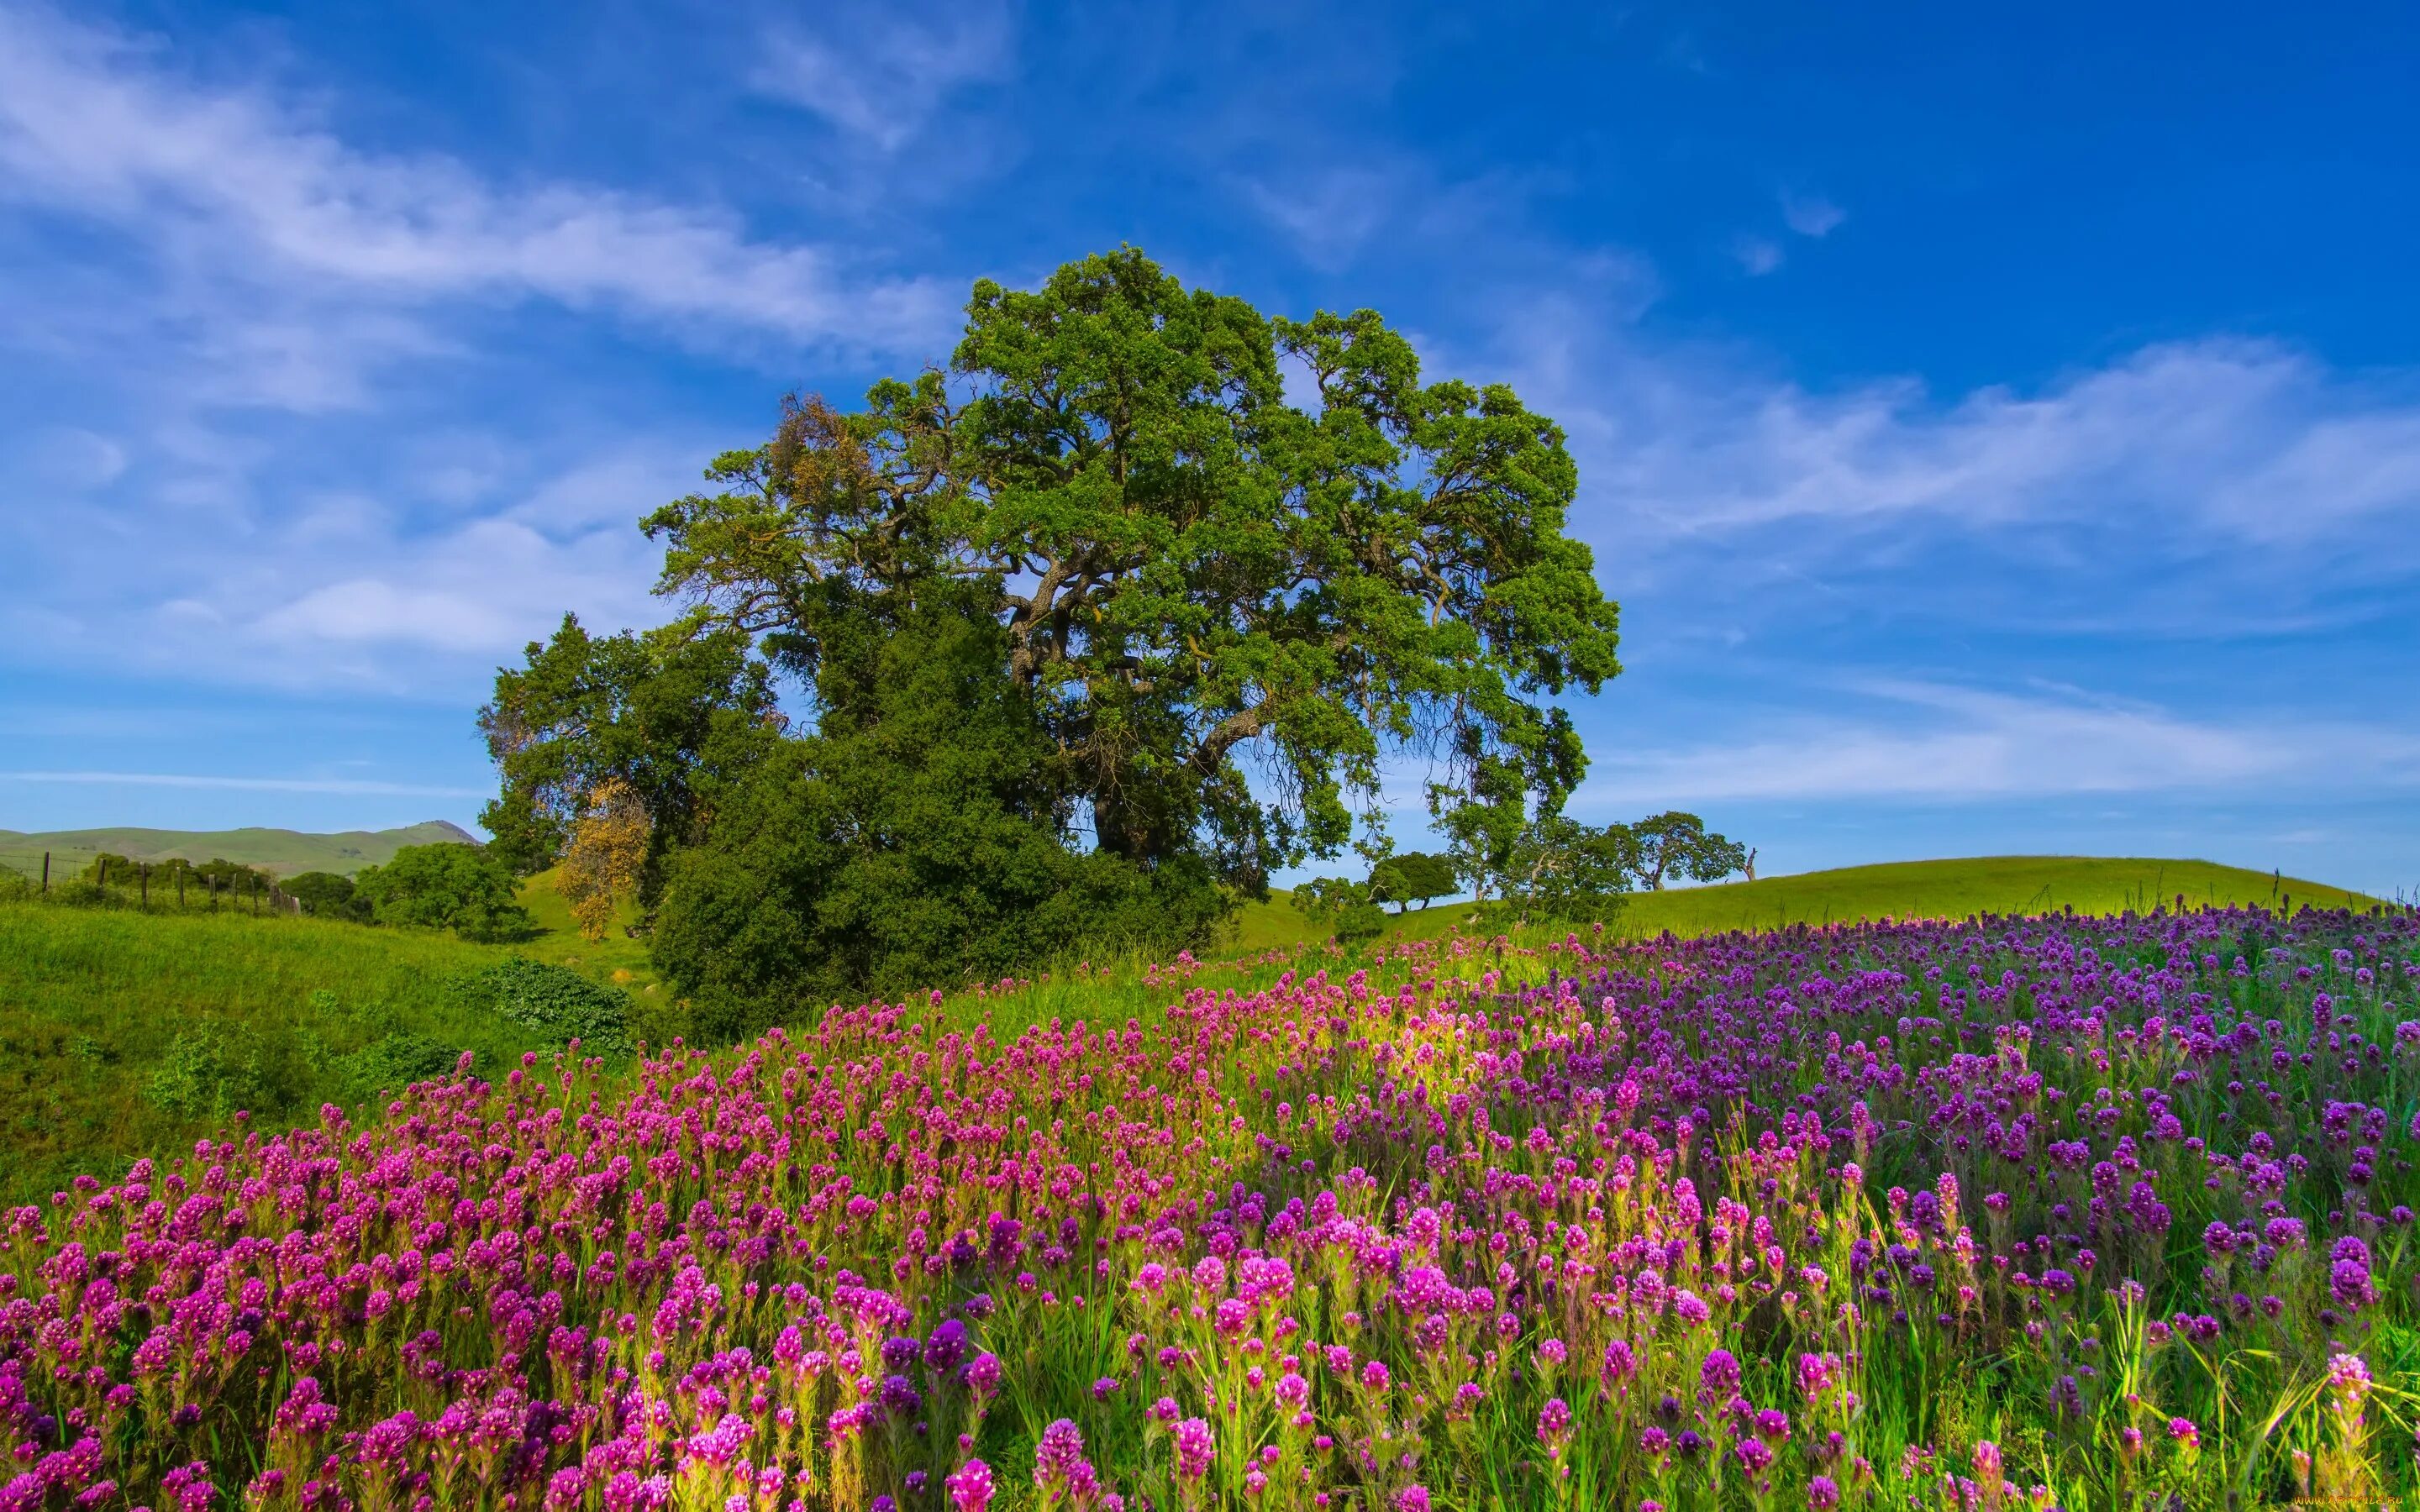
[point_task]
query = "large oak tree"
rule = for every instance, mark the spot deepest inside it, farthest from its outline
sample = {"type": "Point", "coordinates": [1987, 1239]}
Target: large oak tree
{"type": "Point", "coordinates": [1238, 563]}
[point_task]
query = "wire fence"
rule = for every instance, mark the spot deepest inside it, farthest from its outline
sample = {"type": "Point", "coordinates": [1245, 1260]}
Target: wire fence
{"type": "Point", "coordinates": [82, 877]}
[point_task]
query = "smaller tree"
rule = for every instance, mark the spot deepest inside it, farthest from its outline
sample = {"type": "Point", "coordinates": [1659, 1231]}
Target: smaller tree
{"type": "Point", "coordinates": [608, 850]}
{"type": "Point", "coordinates": [1678, 845]}
{"type": "Point", "coordinates": [1412, 877]}
{"type": "Point", "coordinates": [1560, 870]}
{"type": "Point", "coordinates": [460, 888]}
{"type": "Point", "coordinates": [1344, 905]}
{"type": "Point", "coordinates": [328, 895]}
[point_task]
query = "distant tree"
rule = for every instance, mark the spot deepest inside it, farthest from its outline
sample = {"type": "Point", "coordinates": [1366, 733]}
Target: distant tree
{"type": "Point", "coordinates": [1343, 905]}
{"type": "Point", "coordinates": [1560, 868]}
{"type": "Point", "coordinates": [458, 888]}
{"type": "Point", "coordinates": [601, 866]}
{"type": "Point", "coordinates": [1414, 876]}
{"type": "Point", "coordinates": [328, 895]}
{"type": "Point", "coordinates": [108, 866]}
{"type": "Point", "coordinates": [1678, 845]}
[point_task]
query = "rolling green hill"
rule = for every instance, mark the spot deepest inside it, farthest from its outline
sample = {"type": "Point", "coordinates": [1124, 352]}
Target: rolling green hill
{"type": "Point", "coordinates": [1902, 889]}
{"type": "Point", "coordinates": [282, 852]}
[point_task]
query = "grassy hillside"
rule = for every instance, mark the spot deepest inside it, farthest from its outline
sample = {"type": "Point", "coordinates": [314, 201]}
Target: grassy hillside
{"type": "Point", "coordinates": [1904, 889]}
{"type": "Point", "coordinates": [283, 852]}
{"type": "Point", "coordinates": [617, 957]}
{"type": "Point", "coordinates": [124, 1032]}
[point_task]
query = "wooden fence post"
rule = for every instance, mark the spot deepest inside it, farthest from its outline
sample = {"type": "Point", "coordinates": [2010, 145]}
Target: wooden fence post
{"type": "Point", "coordinates": [46, 872]}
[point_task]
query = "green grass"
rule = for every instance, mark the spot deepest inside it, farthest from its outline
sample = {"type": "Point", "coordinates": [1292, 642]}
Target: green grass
{"type": "Point", "coordinates": [1902, 889]}
{"type": "Point", "coordinates": [617, 957]}
{"type": "Point", "coordinates": [95, 998]}
{"type": "Point", "coordinates": [283, 852]}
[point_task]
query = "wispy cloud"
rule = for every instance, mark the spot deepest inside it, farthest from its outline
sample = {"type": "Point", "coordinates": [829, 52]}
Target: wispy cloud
{"type": "Point", "coordinates": [880, 75]}
{"type": "Point", "coordinates": [2258, 442]}
{"type": "Point", "coordinates": [1943, 743]}
{"type": "Point", "coordinates": [1756, 255]}
{"type": "Point", "coordinates": [1811, 215]}
{"type": "Point", "coordinates": [346, 786]}
{"type": "Point", "coordinates": [235, 185]}
{"type": "Point", "coordinates": [1330, 215]}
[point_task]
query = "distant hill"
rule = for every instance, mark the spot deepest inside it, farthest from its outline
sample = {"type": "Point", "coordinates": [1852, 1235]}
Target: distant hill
{"type": "Point", "coordinates": [1900, 889]}
{"type": "Point", "coordinates": [282, 852]}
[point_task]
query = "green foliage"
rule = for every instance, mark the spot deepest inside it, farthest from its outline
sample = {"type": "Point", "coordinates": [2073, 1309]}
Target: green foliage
{"type": "Point", "coordinates": [1343, 906]}
{"type": "Point", "coordinates": [1360, 923]}
{"type": "Point", "coordinates": [1044, 618]}
{"type": "Point", "coordinates": [663, 712]}
{"type": "Point", "coordinates": [394, 1063]}
{"type": "Point", "coordinates": [1562, 870]}
{"type": "Point", "coordinates": [552, 1003]}
{"type": "Point", "coordinates": [328, 895]}
{"type": "Point", "coordinates": [211, 1072]}
{"type": "Point", "coordinates": [1678, 845]}
{"type": "Point", "coordinates": [1186, 567]}
{"type": "Point", "coordinates": [458, 888]}
{"type": "Point", "coordinates": [918, 840]}
{"type": "Point", "coordinates": [1414, 876]}
{"type": "Point", "coordinates": [1326, 898]}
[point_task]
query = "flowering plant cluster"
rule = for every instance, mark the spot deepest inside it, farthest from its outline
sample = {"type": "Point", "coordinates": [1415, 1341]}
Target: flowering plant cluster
{"type": "Point", "coordinates": [2001, 1213]}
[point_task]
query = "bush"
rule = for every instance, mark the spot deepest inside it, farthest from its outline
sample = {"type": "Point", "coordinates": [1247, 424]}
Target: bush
{"type": "Point", "coordinates": [1360, 923]}
{"type": "Point", "coordinates": [458, 888]}
{"type": "Point", "coordinates": [556, 1003]}
{"type": "Point", "coordinates": [394, 1063]}
{"type": "Point", "coordinates": [328, 895]}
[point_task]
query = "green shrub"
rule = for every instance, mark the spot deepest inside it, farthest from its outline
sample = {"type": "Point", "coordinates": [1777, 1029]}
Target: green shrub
{"type": "Point", "coordinates": [458, 888]}
{"type": "Point", "coordinates": [555, 1003]}
{"type": "Point", "coordinates": [394, 1063]}
{"type": "Point", "coordinates": [328, 895]}
{"type": "Point", "coordinates": [1360, 923]}
{"type": "Point", "coordinates": [211, 1070]}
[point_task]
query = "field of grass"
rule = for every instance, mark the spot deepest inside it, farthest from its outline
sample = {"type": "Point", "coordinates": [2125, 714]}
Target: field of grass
{"type": "Point", "coordinates": [281, 852]}
{"type": "Point", "coordinates": [1953, 889]}
{"type": "Point", "coordinates": [124, 1032]}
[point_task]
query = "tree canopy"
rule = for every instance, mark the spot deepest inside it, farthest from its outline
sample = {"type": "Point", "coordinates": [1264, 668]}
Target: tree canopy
{"type": "Point", "coordinates": [1412, 877]}
{"type": "Point", "coordinates": [1187, 567]}
{"type": "Point", "coordinates": [1200, 614]}
{"type": "Point", "coordinates": [1677, 844]}
{"type": "Point", "coordinates": [460, 887]}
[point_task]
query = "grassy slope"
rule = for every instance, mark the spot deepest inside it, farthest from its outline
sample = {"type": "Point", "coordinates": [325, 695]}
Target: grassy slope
{"type": "Point", "coordinates": [91, 998]}
{"type": "Point", "coordinates": [1905, 889]}
{"type": "Point", "coordinates": [284, 852]}
{"type": "Point", "coordinates": [616, 956]}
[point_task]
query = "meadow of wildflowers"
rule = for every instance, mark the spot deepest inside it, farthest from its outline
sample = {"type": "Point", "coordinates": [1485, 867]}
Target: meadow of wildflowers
{"type": "Point", "coordinates": [2006, 1214]}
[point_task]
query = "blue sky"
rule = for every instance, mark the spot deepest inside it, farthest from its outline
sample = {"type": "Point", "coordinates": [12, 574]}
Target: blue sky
{"type": "Point", "coordinates": [2001, 431]}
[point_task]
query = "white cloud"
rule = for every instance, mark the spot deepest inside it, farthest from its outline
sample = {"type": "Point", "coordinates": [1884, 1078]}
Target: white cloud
{"type": "Point", "coordinates": [1962, 744]}
{"type": "Point", "coordinates": [1811, 215]}
{"type": "Point", "coordinates": [2258, 442]}
{"type": "Point", "coordinates": [1758, 256]}
{"type": "Point", "coordinates": [1330, 216]}
{"type": "Point", "coordinates": [881, 77]}
{"type": "Point", "coordinates": [230, 185]}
